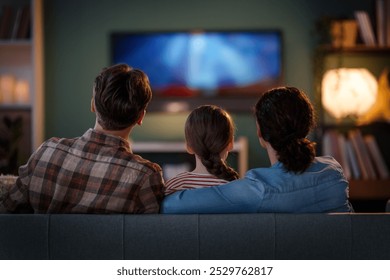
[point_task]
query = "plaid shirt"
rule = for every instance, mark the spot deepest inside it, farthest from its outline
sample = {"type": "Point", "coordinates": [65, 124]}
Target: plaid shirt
{"type": "Point", "coordinates": [95, 173]}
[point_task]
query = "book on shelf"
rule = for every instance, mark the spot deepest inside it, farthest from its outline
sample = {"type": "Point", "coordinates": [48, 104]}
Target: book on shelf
{"type": "Point", "coordinates": [380, 22]}
{"type": "Point", "coordinates": [365, 28]}
{"type": "Point", "coordinates": [333, 144]}
{"type": "Point", "coordinates": [387, 22]}
{"type": "Point", "coordinates": [24, 25]}
{"type": "Point", "coordinates": [376, 157]}
{"type": "Point", "coordinates": [364, 160]}
{"type": "Point", "coordinates": [359, 155]}
{"type": "Point", "coordinates": [352, 160]}
{"type": "Point", "coordinates": [341, 141]}
{"type": "Point", "coordinates": [15, 24]}
{"type": "Point", "coordinates": [328, 143]}
{"type": "Point", "coordinates": [6, 20]}
{"type": "Point", "coordinates": [382, 12]}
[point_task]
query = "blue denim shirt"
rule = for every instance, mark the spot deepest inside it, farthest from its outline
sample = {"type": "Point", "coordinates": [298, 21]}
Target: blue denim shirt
{"type": "Point", "coordinates": [321, 188]}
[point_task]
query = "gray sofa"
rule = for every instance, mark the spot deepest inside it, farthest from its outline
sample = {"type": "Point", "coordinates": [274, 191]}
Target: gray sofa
{"type": "Point", "coordinates": [224, 236]}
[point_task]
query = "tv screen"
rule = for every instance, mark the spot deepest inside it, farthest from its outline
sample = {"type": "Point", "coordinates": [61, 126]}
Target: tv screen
{"type": "Point", "coordinates": [208, 64]}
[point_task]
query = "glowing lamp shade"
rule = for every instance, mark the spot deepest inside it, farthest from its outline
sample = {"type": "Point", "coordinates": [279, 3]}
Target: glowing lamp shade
{"type": "Point", "coordinates": [348, 91]}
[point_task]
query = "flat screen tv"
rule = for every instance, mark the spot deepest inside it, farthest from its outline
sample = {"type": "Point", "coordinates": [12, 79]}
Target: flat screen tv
{"type": "Point", "coordinates": [203, 65]}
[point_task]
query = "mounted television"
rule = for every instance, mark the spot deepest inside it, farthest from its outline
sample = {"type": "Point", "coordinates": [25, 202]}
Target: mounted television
{"type": "Point", "coordinates": [189, 68]}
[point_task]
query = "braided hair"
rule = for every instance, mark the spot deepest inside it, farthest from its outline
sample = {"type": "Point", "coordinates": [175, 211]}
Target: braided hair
{"type": "Point", "coordinates": [285, 117]}
{"type": "Point", "coordinates": [208, 131]}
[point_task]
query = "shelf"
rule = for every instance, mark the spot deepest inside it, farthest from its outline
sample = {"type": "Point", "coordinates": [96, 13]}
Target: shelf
{"type": "Point", "coordinates": [369, 189]}
{"type": "Point", "coordinates": [15, 106]}
{"type": "Point", "coordinates": [356, 49]}
{"type": "Point", "coordinates": [364, 193]}
{"type": "Point", "coordinates": [15, 43]}
{"type": "Point", "coordinates": [23, 59]}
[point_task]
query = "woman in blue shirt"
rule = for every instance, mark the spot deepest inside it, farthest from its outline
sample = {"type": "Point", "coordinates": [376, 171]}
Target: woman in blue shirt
{"type": "Point", "coordinates": [296, 182]}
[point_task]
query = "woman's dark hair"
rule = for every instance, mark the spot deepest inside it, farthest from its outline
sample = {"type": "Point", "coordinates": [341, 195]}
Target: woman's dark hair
{"type": "Point", "coordinates": [208, 131]}
{"type": "Point", "coordinates": [121, 94]}
{"type": "Point", "coordinates": [285, 117]}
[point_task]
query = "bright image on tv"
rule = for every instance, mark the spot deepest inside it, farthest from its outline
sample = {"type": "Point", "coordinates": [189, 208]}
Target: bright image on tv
{"type": "Point", "coordinates": [210, 63]}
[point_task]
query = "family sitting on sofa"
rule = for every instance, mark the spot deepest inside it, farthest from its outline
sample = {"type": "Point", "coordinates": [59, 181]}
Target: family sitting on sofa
{"type": "Point", "coordinates": [98, 173]}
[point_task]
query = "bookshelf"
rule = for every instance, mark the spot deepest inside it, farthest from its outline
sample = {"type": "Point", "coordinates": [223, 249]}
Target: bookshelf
{"type": "Point", "coordinates": [21, 62]}
{"type": "Point", "coordinates": [372, 52]}
{"type": "Point", "coordinates": [375, 59]}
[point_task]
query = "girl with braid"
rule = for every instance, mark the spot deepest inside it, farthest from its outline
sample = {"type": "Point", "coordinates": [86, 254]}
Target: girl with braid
{"type": "Point", "coordinates": [209, 134]}
{"type": "Point", "coordinates": [297, 181]}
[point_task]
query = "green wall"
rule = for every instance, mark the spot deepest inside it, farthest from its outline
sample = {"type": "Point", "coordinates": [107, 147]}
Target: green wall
{"type": "Point", "coordinates": [77, 47]}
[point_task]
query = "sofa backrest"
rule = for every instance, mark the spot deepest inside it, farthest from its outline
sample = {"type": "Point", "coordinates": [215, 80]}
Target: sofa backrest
{"type": "Point", "coordinates": [222, 236]}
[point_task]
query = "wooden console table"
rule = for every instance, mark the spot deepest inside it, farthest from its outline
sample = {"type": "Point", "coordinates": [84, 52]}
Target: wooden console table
{"type": "Point", "coordinates": [240, 147]}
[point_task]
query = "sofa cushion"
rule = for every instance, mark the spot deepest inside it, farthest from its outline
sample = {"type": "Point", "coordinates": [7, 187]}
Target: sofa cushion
{"type": "Point", "coordinates": [313, 237]}
{"type": "Point", "coordinates": [237, 236]}
{"type": "Point", "coordinates": [86, 237]}
{"type": "Point", "coordinates": [371, 236]}
{"type": "Point", "coordinates": [161, 237]}
{"type": "Point", "coordinates": [24, 237]}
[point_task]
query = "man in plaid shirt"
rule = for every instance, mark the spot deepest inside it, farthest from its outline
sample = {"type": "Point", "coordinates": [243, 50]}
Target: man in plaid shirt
{"type": "Point", "coordinates": [97, 172]}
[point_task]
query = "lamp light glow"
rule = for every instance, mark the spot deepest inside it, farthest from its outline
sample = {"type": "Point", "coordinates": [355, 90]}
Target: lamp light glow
{"type": "Point", "coordinates": [348, 91]}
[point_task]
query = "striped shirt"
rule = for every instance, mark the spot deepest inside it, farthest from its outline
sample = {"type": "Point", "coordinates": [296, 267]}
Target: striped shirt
{"type": "Point", "coordinates": [191, 180]}
{"type": "Point", "coordinates": [94, 173]}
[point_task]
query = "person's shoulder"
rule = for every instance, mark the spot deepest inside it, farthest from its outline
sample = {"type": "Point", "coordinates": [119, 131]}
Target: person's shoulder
{"type": "Point", "coordinates": [327, 166]}
{"type": "Point", "coordinates": [54, 144]}
{"type": "Point", "coordinates": [57, 141]}
{"type": "Point", "coordinates": [143, 164]}
{"type": "Point", "coordinates": [326, 161]}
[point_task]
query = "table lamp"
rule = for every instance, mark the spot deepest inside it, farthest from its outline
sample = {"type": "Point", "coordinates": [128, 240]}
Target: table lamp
{"type": "Point", "coordinates": [348, 92]}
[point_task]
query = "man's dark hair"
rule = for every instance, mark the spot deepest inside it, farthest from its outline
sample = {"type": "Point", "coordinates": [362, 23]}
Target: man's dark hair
{"type": "Point", "coordinates": [285, 117]}
{"type": "Point", "coordinates": [121, 94]}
